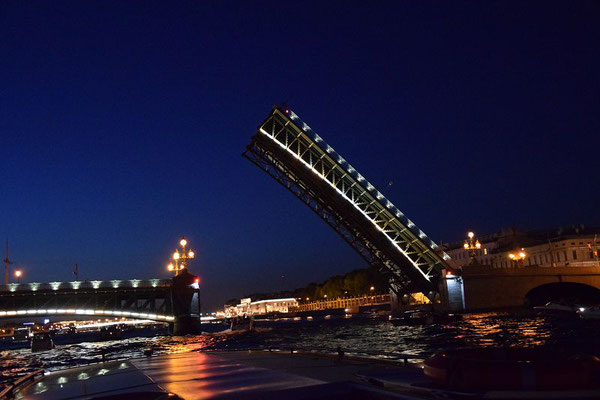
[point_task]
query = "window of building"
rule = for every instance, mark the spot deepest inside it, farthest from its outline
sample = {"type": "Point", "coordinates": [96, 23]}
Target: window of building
{"type": "Point", "coordinates": [557, 257]}
{"type": "Point", "coordinates": [565, 255]}
{"type": "Point", "coordinates": [591, 255]}
{"type": "Point", "coordinates": [574, 254]}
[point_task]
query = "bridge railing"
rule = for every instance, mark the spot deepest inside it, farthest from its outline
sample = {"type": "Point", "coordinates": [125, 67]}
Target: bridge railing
{"type": "Point", "coordinates": [342, 303]}
{"type": "Point", "coordinates": [93, 284]}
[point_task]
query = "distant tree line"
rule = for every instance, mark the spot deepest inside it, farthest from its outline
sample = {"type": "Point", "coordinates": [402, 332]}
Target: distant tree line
{"type": "Point", "coordinates": [354, 283]}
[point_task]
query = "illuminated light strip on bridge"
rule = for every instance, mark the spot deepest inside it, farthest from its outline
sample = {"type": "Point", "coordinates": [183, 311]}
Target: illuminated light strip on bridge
{"type": "Point", "coordinates": [434, 259]}
{"type": "Point", "coordinates": [87, 312]}
{"type": "Point", "coordinates": [96, 284]}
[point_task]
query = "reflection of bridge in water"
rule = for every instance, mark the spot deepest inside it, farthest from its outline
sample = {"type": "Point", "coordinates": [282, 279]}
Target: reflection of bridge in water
{"type": "Point", "coordinates": [175, 301]}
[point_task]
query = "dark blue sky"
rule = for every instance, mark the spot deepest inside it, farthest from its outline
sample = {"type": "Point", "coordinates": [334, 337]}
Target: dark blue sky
{"type": "Point", "coordinates": [122, 125]}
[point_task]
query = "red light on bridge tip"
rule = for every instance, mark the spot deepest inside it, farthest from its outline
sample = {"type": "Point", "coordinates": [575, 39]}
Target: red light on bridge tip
{"type": "Point", "coordinates": [197, 280]}
{"type": "Point", "coordinates": [448, 272]}
{"type": "Point", "coordinates": [287, 111]}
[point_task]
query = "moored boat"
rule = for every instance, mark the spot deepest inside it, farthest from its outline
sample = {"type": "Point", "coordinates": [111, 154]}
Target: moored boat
{"type": "Point", "coordinates": [41, 342]}
{"type": "Point", "coordinates": [592, 313]}
{"type": "Point", "coordinates": [556, 308]}
{"type": "Point", "coordinates": [244, 323]}
{"type": "Point", "coordinates": [423, 317]}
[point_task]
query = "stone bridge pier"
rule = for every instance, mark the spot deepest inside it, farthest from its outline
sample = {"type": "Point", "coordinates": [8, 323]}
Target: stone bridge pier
{"type": "Point", "coordinates": [185, 298]}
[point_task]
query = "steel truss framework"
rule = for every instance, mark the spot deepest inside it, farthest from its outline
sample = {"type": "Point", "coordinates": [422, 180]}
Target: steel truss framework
{"type": "Point", "coordinates": [290, 152]}
{"type": "Point", "coordinates": [144, 303]}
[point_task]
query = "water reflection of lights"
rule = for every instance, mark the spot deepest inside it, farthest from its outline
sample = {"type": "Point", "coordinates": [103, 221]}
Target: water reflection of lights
{"type": "Point", "coordinates": [491, 329]}
{"type": "Point", "coordinates": [497, 329]}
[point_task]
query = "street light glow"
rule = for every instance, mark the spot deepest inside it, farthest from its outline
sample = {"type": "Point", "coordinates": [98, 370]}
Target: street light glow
{"type": "Point", "coordinates": [470, 235]}
{"type": "Point", "coordinates": [18, 273]}
{"type": "Point", "coordinates": [180, 258]}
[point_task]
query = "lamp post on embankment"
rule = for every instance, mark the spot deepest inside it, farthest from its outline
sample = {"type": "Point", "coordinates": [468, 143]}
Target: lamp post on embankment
{"type": "Point", "coordinates": [185, 293]}
{"type": "Point", "coordinates": [472, 245]}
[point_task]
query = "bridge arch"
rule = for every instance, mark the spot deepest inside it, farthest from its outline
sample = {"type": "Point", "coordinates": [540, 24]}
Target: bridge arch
{"type": "Point", "coordinates": [487, 287]}
{"type": "Point", "coordinates": [569, 292]}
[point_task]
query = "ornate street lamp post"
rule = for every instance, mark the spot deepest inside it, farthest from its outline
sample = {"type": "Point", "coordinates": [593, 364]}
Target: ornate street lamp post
{"type": "Point", "coordinates": [518, 256]}
{"type": "Point", "coordinates": [472, 245]}
{"type": "Point", "coordinates": [180, 258]}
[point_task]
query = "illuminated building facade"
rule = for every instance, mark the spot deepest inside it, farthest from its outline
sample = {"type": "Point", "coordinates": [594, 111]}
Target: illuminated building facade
{"type": "Point", "coordinates": [261, 307]}
{"type": "Point", "coordinates": [572, 247]}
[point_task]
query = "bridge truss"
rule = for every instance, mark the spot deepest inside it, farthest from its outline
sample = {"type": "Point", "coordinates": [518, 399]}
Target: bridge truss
{"type": "Point", "coordinates": [289, 151]}
{"type": "Point", "coordinates": [136, 299]}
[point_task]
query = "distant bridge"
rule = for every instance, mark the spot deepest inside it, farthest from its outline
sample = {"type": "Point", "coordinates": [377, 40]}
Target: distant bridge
{"type": "Point", "coordinates": [289, 151]}
{"type": "Point", "coordinates": [175, 301]}
{"type": "Point", "coordinates": [141, 299]}
{"type": "Point", "coordinates": [487, 287]}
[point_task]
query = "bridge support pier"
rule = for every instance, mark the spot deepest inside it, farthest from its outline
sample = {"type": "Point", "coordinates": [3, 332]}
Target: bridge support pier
{"type": "Point", "coordinates": [450, 297]}
{"type": "Point", "coordinates": [185, 296]}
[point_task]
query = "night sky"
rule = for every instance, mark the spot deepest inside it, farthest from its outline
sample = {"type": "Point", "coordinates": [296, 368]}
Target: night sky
{"type": "Point", "coordinates": [122, 125]}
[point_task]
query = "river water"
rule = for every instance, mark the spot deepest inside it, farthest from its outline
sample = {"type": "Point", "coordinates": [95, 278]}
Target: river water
{"type": "Point", "coordinates": [353, 335]}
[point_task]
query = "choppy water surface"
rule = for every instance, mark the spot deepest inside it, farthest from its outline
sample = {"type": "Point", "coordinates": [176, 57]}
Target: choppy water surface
{"type": "Point", "coordinates": [368, 335]}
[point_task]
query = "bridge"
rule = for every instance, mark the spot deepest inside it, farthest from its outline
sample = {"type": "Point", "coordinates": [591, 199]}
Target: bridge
{"type": "Point", "coordinates": [487, 288]}
{"type": "Point", "coordinates": [175, 301]}
{"type": "Point", "coordinates": [289, 151]}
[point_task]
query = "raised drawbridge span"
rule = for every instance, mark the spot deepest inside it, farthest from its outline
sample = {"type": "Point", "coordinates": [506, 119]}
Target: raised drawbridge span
{"type": "Point", "coordinates": [295, 156]}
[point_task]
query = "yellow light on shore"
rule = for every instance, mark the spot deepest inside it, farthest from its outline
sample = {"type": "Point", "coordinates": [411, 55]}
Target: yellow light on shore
{"type": "Point", "coordinates": [511, 256]}
{"type": "Point", "coordinates": [183, 242]}
{"type": "Point", "coordinates": [191, 254]}
{"type": "Point", "coordinates": [471, 235]}
{"type": "Point", "coordinates": [522, 255]}
{"type": "Point", "coordinates": [176, 255]}
{"type": "Point", "coordinates": [466, 246]}
{"type": "Point", "coordinates": [18, 273]}
{"type": "Point", "coordinates": [170, 267]}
